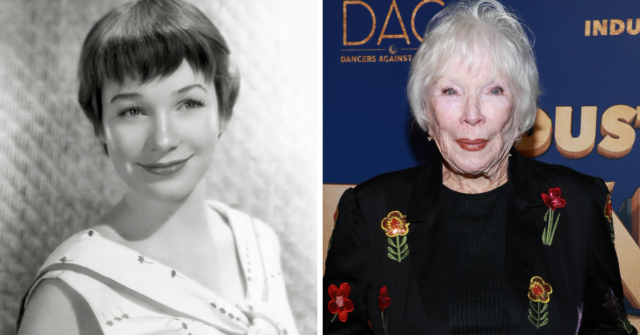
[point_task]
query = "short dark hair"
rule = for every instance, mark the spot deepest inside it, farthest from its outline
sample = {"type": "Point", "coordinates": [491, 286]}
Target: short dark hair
{"type": "Point", "coordinates": [148, 39]}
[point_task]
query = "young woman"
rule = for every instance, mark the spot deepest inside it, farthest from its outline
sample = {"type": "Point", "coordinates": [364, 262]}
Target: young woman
{"type": "Point", "coordinates": [156, 84]}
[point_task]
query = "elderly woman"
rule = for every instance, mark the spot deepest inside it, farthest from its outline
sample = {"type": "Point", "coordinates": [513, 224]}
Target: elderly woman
{"type": "Point", "coordinates": [480, 240]}
{"type": "Point", "coordinates": [156, 84]}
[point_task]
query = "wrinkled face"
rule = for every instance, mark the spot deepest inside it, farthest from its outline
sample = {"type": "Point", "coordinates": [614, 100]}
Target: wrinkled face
{"type": "Point", "coordinates": [161, 135]}
{"type": "Point", "coordinates": [472, 120]}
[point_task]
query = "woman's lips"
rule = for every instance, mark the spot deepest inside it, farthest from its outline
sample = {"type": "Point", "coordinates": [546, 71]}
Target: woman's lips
{"type": "Point", "coordinates": [472, 145]}
{"type": "Point", "coordinates": [164, 169]}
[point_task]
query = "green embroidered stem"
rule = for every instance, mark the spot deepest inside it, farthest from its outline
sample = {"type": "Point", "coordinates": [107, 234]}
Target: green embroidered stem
{"type": "Point", "coordinates": [384, 323]}
{"type": "Point", "coordinates": [626, 325]}
{"type": "Point", "coordinates": [549, 232]}
{"type": "Point", "coordinates": [613, 236]}
{"type": "Point", "coordinates": [400, 248]}
{"type": "Point", "coordinates": [545, 234]}
{"type": "Point", "coordinates": [391, 252]}
{"type": "Point", "coordinates": [549, 226]}
{"type": "Point", "coordinates": [554, 229]}
{"type": "Point", "coordinates": [334, 317]}
{"type": "Point", "coordinates": [541, 316]}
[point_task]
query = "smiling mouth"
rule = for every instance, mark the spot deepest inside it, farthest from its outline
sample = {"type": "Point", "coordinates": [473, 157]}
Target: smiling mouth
{"type": "Point", "coordinates": [164, 169]}
{"type": "Point", "coordinates": [472, 145]}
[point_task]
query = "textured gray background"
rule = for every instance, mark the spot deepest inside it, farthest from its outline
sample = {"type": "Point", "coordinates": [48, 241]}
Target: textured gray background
{"type": "Point", "coordinates": [55, 181]}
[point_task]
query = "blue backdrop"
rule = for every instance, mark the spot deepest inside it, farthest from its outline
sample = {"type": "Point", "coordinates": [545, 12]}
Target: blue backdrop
{"type": "Point", "coordinates": [367, 129]}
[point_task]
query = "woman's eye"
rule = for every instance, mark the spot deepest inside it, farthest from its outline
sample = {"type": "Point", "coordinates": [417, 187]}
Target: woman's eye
{"type": "Point", "coordinates": [131, 111]}
{"type": "Point", "coordinates": [497, 90]}
{"type": "Point", "coordinates": [192, 103]}
{"type": "Point", "coordinates": [449, 91]}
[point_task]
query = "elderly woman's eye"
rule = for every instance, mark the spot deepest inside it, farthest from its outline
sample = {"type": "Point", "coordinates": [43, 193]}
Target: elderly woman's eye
{"type": "Point", "coordinates": [497, 90]}
{"type": "Point", "coordinates": [192, 103]}
{"type": "Point", "coordinates": [130, 111]}
{"type": "Point", "coordinates": [449, 91]}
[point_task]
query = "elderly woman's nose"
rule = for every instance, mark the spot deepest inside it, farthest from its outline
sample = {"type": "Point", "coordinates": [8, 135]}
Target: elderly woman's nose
{"type": "Point", "coordinates": [472, 112]}
{"type": "Point", "coordinates": [164, 136]}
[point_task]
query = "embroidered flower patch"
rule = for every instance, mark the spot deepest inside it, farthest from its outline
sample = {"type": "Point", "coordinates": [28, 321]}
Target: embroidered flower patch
{"type": "Point", "coordinates": [614, 307]}
{"type": "Point", "coordinates": [384, 302]}
{"type": "Point", "coordinates": [608, 214]}
{"type": "Point", "coordinates": [539, 294]}
{"type": "Point", "coordinates": [553, 200]}
{"type": "Point", "coordinates": [340, 305]}
{"type": "Point", "coordinates": [396, 225]}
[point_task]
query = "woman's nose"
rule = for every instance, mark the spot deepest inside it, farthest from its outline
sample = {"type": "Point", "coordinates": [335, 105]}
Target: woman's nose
{"type": "Point", "coordinates": [164, 136]}
{"type": "Point", "coordinates": [473, 112]}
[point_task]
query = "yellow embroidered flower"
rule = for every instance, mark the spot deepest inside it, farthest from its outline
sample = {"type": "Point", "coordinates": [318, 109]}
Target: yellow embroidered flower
{"type": "Point", "coordinates": [539, 290]}
{"type": "Point", "coordinates": [395, 224]}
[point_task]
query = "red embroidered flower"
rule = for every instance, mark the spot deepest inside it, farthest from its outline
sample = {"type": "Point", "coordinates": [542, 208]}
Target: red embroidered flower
{"type": "Point", "coordinates": [553, 199]}
{"type": "Point", "coordinates": [395, 224]}
{"type": "Point", "coordinates": [339, 303]}
{"type": "Point", "coordinates": [383, 300]}
{"type": "Point", "coordinates": [539, 290]}
{"type": "Point", "coordinates": [607, 208]}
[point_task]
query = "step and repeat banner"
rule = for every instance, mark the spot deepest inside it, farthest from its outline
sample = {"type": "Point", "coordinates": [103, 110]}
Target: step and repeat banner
{"type": "Point", "coordinates": [588, 55]}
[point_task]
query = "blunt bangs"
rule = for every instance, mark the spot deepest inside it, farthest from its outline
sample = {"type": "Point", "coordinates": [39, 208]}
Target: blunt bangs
{"type": "Point", "coordinates": [455, 35]}
{"type": "Point", "coordinates": [150, 39]}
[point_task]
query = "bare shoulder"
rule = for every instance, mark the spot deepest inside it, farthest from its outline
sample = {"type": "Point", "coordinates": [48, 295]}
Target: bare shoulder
{"type": "Point", "coordinates": [56, 308]}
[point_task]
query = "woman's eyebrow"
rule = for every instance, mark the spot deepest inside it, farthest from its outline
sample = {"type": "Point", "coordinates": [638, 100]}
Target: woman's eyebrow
{"type": "Point", "coordinates": [189, 88]}
{"type": "Point", "coordinates": [124, 96]}
{"type": "Point", "coordinates": [136, 95]}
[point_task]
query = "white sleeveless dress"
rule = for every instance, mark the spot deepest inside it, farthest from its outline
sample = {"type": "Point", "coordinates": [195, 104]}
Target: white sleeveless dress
{"type": "Point", "coordinates": [131, 293]}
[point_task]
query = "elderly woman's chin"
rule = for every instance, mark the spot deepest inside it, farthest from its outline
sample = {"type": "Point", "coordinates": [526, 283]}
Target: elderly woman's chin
{"type": "Point", "coordinates": [474, 158]}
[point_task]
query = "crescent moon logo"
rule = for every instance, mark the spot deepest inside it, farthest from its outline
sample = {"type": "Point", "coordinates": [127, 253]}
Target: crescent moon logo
{"type": "Point", "coordinates": [393, 49]}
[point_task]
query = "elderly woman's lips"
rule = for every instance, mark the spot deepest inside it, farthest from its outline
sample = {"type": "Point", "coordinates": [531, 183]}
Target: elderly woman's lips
{"type": "Point", "coordinates": [164, 169]}
{"type": "Point", "coordinates": [472, 145]}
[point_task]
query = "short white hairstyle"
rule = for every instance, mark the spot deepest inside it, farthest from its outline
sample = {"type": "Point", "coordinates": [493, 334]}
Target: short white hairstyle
{"type": "Point", "coordinates": [456, 31]}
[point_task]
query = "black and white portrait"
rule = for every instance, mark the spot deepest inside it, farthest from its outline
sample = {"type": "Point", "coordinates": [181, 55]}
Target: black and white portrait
{"type": "Point", "coordinates": [159, 166]}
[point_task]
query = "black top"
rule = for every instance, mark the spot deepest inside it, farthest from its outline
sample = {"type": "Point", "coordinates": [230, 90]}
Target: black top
{"type": "Point", "coordinates": [577, 275]}
{"type": "Point", "coordinates": [476, 226]}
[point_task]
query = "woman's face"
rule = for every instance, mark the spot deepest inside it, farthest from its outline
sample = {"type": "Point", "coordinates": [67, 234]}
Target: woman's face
{"type": "Point", "coordinates": [472, 121]}
{"type": "Point", "coordinates": [161, 135]}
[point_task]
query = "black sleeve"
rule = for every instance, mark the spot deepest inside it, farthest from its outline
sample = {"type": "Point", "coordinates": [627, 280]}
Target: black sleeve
{"type": "Point", "coordinates": [603, 311]}
{"type": "Point", "coordinates": [348, 261]}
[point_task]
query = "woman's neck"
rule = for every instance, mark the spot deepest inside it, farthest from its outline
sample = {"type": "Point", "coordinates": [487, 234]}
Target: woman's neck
{"type": "Point", "coordinates": [475, 183]}
{"type": "Point", "coordinates": [136, 218]}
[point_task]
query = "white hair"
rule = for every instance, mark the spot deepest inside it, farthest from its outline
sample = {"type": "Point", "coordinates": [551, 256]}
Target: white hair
{"type": "Point", "coordinates": [456, 31]}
